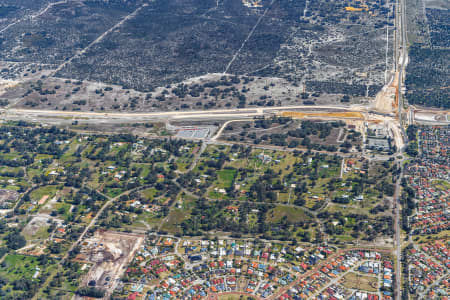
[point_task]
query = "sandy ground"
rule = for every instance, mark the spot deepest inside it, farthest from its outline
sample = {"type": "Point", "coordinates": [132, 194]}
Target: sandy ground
{"type": "Point", "coordinates": [440, 117]}
{"type": "Point", "coordinates": [7, 84]}
{"type": "Point", "coordinates": [385, 100]}
{"type": "Point", "coordinates": [37, 222]}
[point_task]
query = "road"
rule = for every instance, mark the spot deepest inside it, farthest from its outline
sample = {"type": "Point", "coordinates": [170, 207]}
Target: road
{"type": "Point", "coordinates": [402, 52]}
{"type": "Point", "coordinates": [219, 132]}
{"type": "Point", "coordinates": [398, 244]}
{"type": "Point", "coordinates": [258, 111]}
{"type": "Point", "coordinates": [342, 168]}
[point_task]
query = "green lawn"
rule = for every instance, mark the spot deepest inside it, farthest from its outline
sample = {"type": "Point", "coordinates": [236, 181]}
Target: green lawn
{"type": "Point", "coordinates": [49, 190]}
{"type": "Point", "coordinates": [283, 197]}
{"type": "Point", "coordinates": [344, 238]}
{"type": "Point", "coordinates": [113, 192]}
{"type": "Point", "coordinates": [149, 193]}
{"type": "Point", "coordinates": [226, 177]}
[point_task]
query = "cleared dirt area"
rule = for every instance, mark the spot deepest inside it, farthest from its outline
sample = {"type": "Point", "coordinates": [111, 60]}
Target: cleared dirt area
{"type": "Point", "coordinates": [431, 117]}
{"type": "Point", "coordinates": [7, 197]}
{"type": "Point", "coordinates": [385, 100]}
{"type": "Point", "coordinates": [38, 223]}
{"type": "Point", "coordinates": [438, 4]}
{"type": "Point", "coordinates": [109, 252]}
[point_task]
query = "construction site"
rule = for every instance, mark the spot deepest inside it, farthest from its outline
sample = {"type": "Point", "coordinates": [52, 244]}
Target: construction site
{"type": "Point", "coordinates": [323, 115]}
{"type": "Point", "coordinates": [109, 253]}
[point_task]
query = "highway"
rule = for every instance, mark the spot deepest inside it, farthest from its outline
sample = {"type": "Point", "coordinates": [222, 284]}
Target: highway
{"type": "Point", "coordinates": [177, 114]}
{"type": "Point", "coordinates": [402, 53]}
{"type": "Point", "coordinates": [398, 243]}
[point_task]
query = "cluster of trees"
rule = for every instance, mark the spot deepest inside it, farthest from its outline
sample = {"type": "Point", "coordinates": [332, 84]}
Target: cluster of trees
{"type": "Point", "coordinates": [428, 76]}
{"type": "Point", "coordinates": [194, 90]}
{"type": "Point", "coordinates": [411, 132]}
{"type": "Point", "coordinates": [412, 148]}
{"type": "Point", "coordinates": [26, 287]}
{"type": "Point", "coordinates": [91, 292]}
{"type": "Point", "coordinates": [266, 123]}
{"type": "Point", "coordinates": [405, 270]}
{"type": "Point", "coordinates": [408, 205]}
{"type": "Point", "coordinates": [13, 239]}
{"type": "Point", "coordinates": [26, 140]}
{"type": "Point", "coordinates": [297, 137]}
{"type": "Point", "coordinates": [378, 225]}
{"type": "Point", "coordinates": [4, 102]}
{"type": "Point", "coordinates": [322, 129]}
{"type": "Point", "coordinates": [212, 215]}
{"type": "Point", "coordinates": [439, 29]}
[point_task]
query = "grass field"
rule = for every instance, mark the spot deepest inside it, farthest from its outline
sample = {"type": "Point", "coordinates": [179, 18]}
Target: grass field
{"type": "Point", "coordinates": [283, 197]}
{"type": "Point", "coordinates": [149, 193]}
{"type": "Point", "coordinates": [360, 282]}
{"type": "Point", "coordinates": [113, 192]}
{"type": "Point", "coordinates": [432, 237]}
{"type": "Point", "coordinates": [18, 266]}
{"type": "Point", "coordinates": [63, 209]}
{"type": "Point", "coordinates": [176, 216]}
{"type": "Point", "coordinates": [151, 219]}
{"type": "Point", "coordinates": [441, 184]}
{"type": "Point", "coordinates": [226, 177]}
{"type": "Point", "coordinates": [293, 214]}
{"type": "Point", "coordinates": [49, 190]}
{"type": "Point", "coordinates": [68, 156]}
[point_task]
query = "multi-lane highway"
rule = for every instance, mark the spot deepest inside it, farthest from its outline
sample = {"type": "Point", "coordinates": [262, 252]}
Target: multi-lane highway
{"type": "Point", "coordinates": [402, 54]}
{"type": "Point", "coordinates": [177, 114]}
